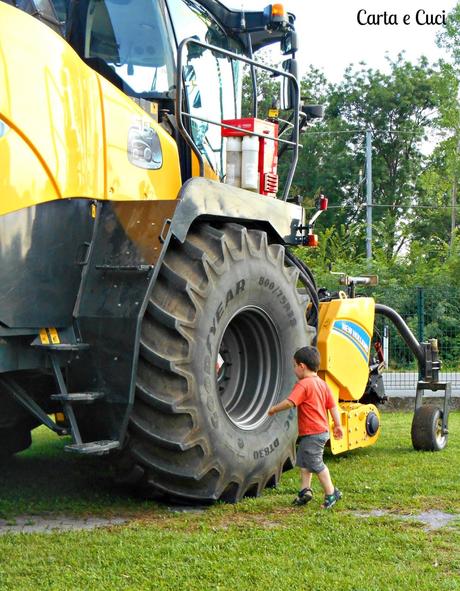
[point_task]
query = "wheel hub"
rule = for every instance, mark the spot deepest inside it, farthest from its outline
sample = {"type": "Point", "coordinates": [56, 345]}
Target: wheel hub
{"type": "Point", "coordinates": [248, 367]}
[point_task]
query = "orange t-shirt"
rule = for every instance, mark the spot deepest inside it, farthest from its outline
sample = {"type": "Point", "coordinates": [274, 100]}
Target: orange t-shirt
{"type": "Point", "coordinates": [312, 398]}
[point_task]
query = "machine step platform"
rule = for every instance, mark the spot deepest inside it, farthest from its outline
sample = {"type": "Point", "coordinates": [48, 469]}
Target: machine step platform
{"type": "Point", "coordinates": [94, 447]}
{"type": "Point", "coordinates": [124, 268]}
{"type": "Point", "coordinates": [62, 347]}
{"type": "Point", "coordinates": [83, 397]}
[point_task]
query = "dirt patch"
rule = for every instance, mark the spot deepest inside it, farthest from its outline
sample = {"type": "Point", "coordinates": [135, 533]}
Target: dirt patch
{"type": "Point", "coordinates": [407, 403]}
{"type": "Point", "coordinates": [194, 509]}
{"type": "Point", "coordinates": [431, 519]}
{"type": "Point", "coordinates": [38, 524]}
{"type": "Point", "coordinates": [230, 519]}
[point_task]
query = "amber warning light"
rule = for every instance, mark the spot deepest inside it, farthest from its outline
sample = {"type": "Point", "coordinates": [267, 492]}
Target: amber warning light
{"type": "Point", "coordinates": [275, 17]}
{"type": "Point", "coordinates": [278, 10]}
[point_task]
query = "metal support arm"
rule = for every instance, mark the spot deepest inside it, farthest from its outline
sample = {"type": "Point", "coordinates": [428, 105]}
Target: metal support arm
{"type": "Point", "coordinates": [21, 396]}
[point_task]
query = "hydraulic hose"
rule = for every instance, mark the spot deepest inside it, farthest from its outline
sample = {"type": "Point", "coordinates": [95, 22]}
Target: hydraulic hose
{"type": "Point", "coordinates": [403, 330]}
{"type": "Point", "coordinates": [306, 277]}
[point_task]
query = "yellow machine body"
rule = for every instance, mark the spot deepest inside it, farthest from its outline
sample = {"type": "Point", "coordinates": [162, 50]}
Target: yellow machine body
{"type": "Point", "coordinates": [137, 294]}
{"type": "Point", "coordinates": [345, 330]}
{"type": "Point", "coordinates": [67, 127]}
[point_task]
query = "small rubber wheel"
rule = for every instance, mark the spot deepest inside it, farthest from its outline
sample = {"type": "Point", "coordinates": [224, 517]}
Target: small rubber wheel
{"type": "Point", "coordinates": [426, 430]}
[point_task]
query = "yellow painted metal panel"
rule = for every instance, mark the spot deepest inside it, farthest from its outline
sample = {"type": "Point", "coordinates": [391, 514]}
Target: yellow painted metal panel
{"type": "Point", "coordinates": [344, 340]}
{"type": "Point", "coordinates": [345, 329]}
{"type": "Point", "coordinates": [74, 123]}
{"type": "Point", "coordinates": [24, 179]}
{"type": "Point", "coordinates": [52, 99]}
{"type": "Point", "coordinates": [125, 181]}
{"type": "Point", "coordinates": [354, 417]}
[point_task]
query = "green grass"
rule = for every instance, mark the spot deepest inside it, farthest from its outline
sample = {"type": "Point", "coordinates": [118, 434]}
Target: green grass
{"type": "Point", "coordinates": [257, 544]}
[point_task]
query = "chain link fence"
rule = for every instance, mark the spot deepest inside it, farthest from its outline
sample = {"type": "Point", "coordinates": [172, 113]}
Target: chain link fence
{"type": "Point", "coordinates": [430, 312]}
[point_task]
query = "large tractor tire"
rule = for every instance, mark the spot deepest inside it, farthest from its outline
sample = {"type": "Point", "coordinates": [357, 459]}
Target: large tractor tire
{"type": "Point", "coordinates": [426, 429]}
{"type": "Point", "coordinates": [222, 324]}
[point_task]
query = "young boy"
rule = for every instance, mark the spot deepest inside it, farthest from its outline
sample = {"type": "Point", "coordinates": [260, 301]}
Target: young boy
{"type": "Point", "coordinates": [313, 398]}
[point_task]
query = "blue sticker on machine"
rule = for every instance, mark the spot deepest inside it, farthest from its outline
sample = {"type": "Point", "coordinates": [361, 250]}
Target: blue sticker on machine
{"type": "Point", "coordinates": [354, 333]}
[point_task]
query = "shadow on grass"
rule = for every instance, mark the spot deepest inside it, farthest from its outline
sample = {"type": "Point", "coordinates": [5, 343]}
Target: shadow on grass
{"type": "Point", "coordinates": [45, 478]}
{"type": "Point", "coordinates": [389, 475]}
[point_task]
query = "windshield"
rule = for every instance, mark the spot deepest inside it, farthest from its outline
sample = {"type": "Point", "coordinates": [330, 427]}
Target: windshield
{"type": "Point", "coordinates": [131, 37]}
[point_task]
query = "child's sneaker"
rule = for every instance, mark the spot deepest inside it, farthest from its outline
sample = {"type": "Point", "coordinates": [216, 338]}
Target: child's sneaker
{"type": "Point", "coordinates": [331, 500]}
{"type": "Point", "coordinates": [305, 495]}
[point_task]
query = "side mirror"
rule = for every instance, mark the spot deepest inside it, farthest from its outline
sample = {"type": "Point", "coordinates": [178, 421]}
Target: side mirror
{"type": "Point", "coordinates": [189, 73]}
{"type": "Point", "coordinates": [287, 87]}
{"type": "Point", "coordinates": [194, 51]}
{"type": "Point", "coordinates": [289, 43]}
{"type": "Point", "coordinates": [313, 111]}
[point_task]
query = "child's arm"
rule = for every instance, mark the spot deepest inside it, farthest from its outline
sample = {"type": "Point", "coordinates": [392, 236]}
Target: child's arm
{"type": "Point", "coordinates": [337, 430]}
{"type": "Point", "coordinates": [283, 405]}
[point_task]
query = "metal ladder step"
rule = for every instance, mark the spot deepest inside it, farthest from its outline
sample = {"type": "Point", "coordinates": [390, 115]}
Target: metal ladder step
{"type": "Point", "coordinates": [62, 347]}
{"type": "Point", "coordinates": [78, 397]}
{"type": "Point", "coordinates": [94, 447]}
{"type": "Point", "coordinates": [124, 268]}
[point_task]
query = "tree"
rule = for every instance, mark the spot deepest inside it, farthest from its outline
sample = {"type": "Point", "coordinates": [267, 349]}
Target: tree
{"type": "Point", "coordinates": [449, 39]}
{"type": "Point", "coordinates": [399, 108]}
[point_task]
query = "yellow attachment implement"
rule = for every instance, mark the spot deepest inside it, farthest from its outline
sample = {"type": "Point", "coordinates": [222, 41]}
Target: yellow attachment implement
{"type": "Point", "coordinates": [344, 340]}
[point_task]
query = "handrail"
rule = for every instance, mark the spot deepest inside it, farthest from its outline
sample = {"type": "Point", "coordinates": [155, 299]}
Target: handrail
{"type": "Point", "coordinates": [180, 113]}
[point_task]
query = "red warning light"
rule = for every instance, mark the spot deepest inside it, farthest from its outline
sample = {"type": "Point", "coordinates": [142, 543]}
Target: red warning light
{"type": "Point", "coordinates": [323, 201]}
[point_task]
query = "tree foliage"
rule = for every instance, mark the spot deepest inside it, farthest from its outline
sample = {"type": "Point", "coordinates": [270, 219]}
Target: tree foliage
{"type": "Point", "coordinates": [412, 111]}
{"type": "Point", "coordinates": [399, 108]}
{"type": "Point", "coordinates": [408, 107]}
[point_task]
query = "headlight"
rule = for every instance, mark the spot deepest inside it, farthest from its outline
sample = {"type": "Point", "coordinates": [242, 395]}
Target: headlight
{"type": "Point", "coordinates": [144, 147]}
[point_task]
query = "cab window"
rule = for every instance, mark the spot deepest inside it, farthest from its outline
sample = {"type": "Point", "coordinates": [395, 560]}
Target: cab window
{"type": "Point", "coordinates": [212, 81]}
{"type": "Point", "coordinates": [130, 36]}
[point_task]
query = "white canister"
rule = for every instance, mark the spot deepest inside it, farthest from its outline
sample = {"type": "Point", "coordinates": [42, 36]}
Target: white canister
{"type": "Point", "coordinates": [250, 163]}
{"type": "Point", "coordinates": [233, 172]}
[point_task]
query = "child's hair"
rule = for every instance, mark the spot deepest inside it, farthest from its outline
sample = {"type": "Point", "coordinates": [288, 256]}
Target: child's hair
{"type": "Point", "coordinates": [309, 356]}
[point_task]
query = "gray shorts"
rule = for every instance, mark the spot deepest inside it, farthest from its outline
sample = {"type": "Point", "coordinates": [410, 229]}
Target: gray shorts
{"type": "Point", "coordinates": [310, 452]}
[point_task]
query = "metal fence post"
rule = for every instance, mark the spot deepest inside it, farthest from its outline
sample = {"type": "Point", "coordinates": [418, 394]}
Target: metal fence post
{"type": "Point", "coordinates": [421, 314]}
{"type": "Point", "coordinates": [420, 318]}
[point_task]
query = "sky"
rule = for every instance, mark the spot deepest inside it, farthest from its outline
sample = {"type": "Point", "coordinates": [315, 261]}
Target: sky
{"type": "Point", "coordinates": [330, 37]}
